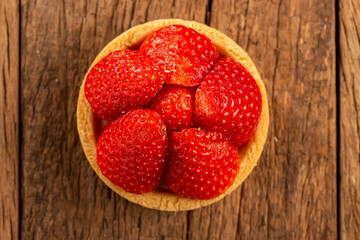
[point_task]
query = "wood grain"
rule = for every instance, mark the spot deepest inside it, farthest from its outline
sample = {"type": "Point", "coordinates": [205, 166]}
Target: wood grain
{"type": "Point", "coordinates": [9, 119]}
{"type": "Point", "coordinates": [291, 194]}
{"type": "Point", "coordinates": [349, 72]}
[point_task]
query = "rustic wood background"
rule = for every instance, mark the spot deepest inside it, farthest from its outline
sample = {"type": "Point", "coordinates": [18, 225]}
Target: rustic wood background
{"type": "Point", "coordinates": [307, 183]}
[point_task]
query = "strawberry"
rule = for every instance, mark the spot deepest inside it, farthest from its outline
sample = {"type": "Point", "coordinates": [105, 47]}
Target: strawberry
{"type": "Point", "coordinates": [121, 81]}
{"type": "Point", "coordinates": [176, 105]}
{"type": "Point", "coordinates": [202, 164]}
{"type": "Point", "coordinates": [228, 101]}
{"type": "Point", "coordinates": [131, 151]}
{"type": "Point", "coordinates": [187, 55]}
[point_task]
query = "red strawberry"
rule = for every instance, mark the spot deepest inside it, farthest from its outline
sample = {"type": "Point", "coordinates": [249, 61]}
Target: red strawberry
{"type": "Point", "coordinates": [176, 105]}
{"type": "Point", "coordinates": [202, 164]}
{"type": "Point", "coordinates": [121, 81]}
{"type": "Point", "coordinates": [187, 55]}
{"type": "Point", "coordinates": [131, 151]}
{"type": "Point", "coordinates": [229, 102]}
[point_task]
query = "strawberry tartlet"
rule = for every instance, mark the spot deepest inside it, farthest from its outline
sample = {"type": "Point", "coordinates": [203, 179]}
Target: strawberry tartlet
{"type": "Point", "coordinates": [172, 115]}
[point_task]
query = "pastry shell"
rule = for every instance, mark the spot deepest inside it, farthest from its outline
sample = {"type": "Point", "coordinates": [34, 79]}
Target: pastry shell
{"type": "Point", "coordinates": [249, 153]}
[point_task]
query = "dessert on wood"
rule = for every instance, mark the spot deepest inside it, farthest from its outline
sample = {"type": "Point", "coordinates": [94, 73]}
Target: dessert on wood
{"type": "Point", "coordinates": [185, 111]}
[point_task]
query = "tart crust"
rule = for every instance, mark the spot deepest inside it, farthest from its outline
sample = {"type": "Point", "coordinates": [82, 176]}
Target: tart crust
{"type": "Point", "coordinates": [249, 153]}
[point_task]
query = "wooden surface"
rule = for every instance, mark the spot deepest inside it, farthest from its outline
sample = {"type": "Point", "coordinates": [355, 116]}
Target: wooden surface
{"type": "Point", "coordinates": [307, 182]}
{"type": "Point", "coordinates": [9, 119]}
{"type": "Point", "coordinates": [349, 89]}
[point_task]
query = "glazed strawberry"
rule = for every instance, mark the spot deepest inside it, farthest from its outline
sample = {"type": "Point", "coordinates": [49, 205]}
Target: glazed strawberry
{"type": "Point", "coordinates": [229, 102]}
{"type": "Point", "coordinates": [187, 55]}
{"type": "Point", "coordinates": [176, 105]}
{"type": "Point", "coordinates": [202, 164]}
{"type": "Point", "coordinates": [131, 151]}
{"type": "Point", "coordinates": [121, 81]}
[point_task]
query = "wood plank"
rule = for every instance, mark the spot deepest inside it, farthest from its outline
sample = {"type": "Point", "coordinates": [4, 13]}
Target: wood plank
{"type": "Point", "coordinates": [61, 195]}
{"type": "Point", "coordinates": [292, 192]}
{"type": "Point", "coordinates": [9, 119]}
{"type": "Point", "coordinates": [349, 73]}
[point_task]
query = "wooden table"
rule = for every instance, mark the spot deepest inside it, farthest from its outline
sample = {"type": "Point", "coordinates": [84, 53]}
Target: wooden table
{"type": "Point", "coordinates": [307, 182]}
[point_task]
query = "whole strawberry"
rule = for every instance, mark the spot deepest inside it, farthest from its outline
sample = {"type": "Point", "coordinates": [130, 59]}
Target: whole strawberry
{"type": "Point", "coordinates": [131, 151]}
{"type": "Point", "coordinates": [228, 101]}
{"type": "Point", "coordinates": [121, 81]}
{"type": "Point", "coordinates": [176, 105]}
{"type": "Point", "coordinates": [187, 55]}
{"type": "Point", "coordinates": [202, 164]}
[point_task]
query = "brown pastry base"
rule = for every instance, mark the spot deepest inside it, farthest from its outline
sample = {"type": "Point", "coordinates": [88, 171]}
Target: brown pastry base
{"type": "Point", "coordinates": [249, 153]}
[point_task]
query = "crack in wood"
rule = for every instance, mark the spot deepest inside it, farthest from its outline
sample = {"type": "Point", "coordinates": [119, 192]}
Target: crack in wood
{"type": "Point", "coordinates": [208, 12]}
